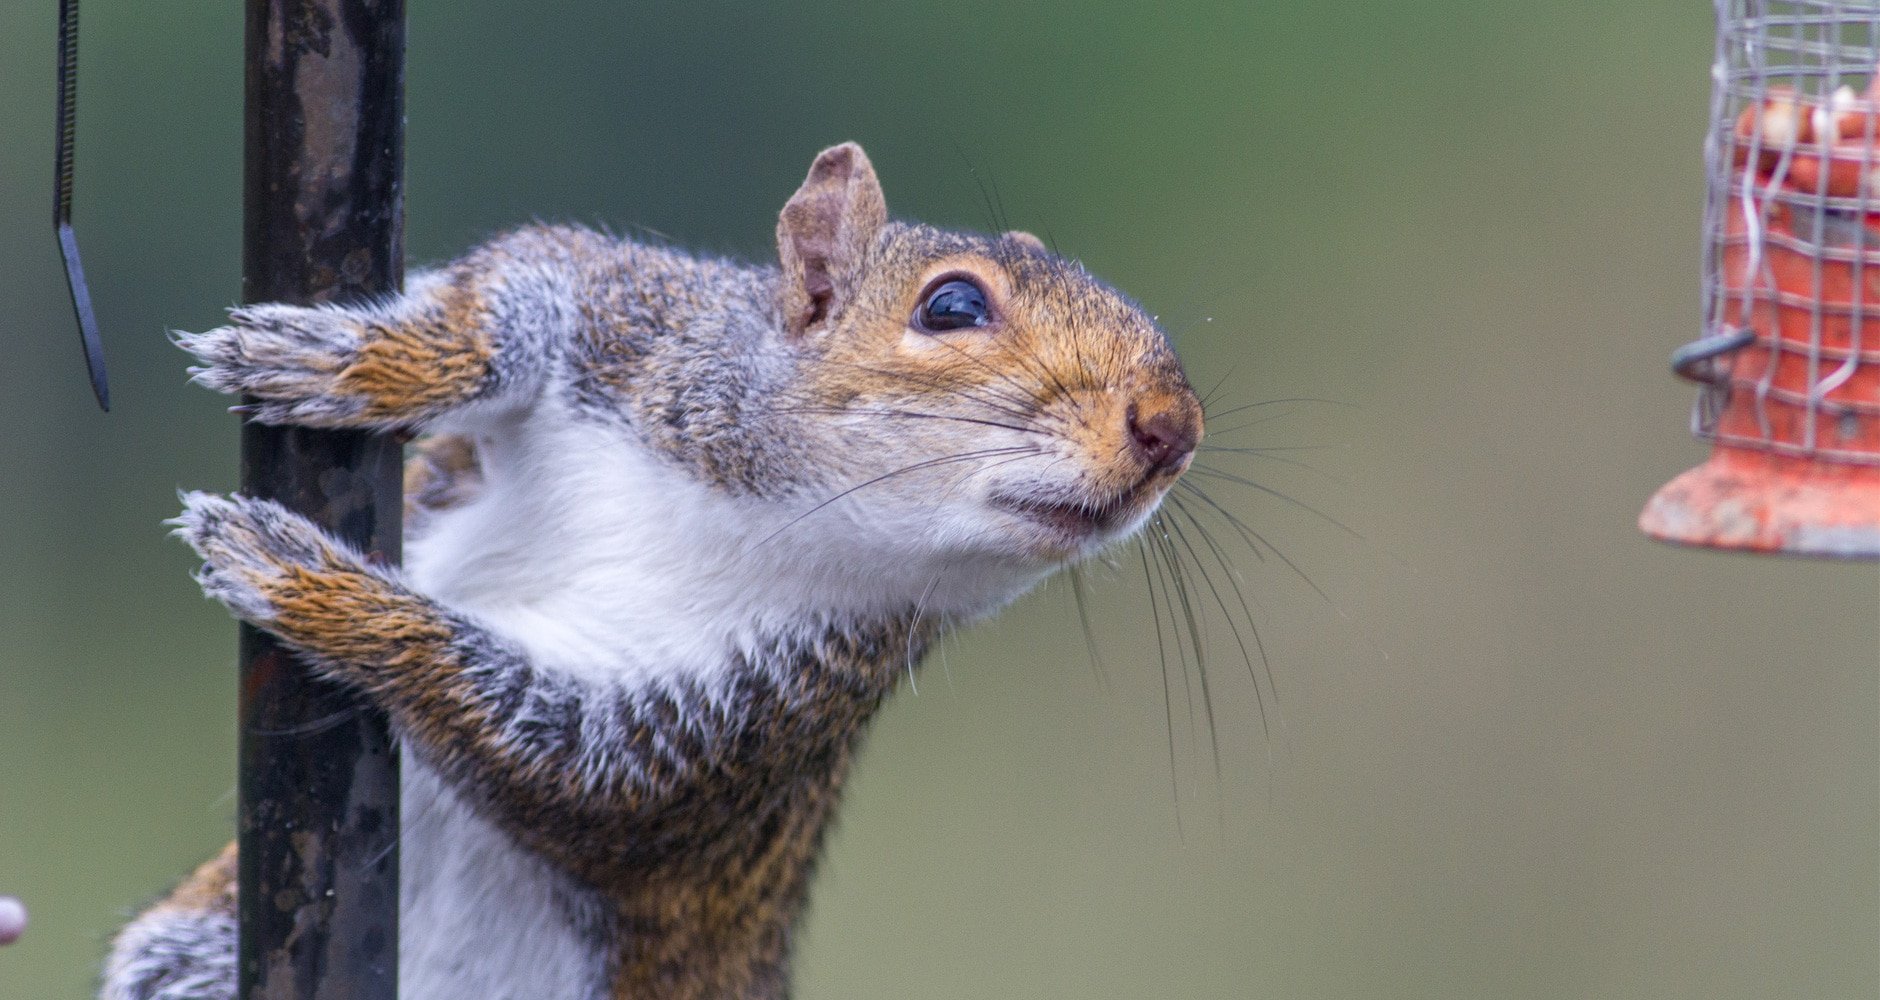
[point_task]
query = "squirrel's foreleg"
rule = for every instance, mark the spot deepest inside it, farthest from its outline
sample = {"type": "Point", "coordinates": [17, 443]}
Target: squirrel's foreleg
{"type": "Point", "coordinates": [544, 750]}
{"type": "Point", "coordinates": [479, 330]}
{"type": "Point", "coordinates": [395, 364]}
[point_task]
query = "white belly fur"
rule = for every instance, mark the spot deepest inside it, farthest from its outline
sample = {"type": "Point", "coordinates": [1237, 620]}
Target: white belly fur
{"type": "Point", "coordinates": [481, 916]}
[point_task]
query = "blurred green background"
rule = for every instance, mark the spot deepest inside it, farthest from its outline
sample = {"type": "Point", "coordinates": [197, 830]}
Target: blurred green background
{"type": "Point", "coordinates": [1519, 752]}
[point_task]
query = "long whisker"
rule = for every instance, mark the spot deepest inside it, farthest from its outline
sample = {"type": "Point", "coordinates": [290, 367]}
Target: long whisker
{"type": "Point", "coordinates": [1178, 574]}
{"type": "Point", "coordinates": [1020, 403]}
{"type": "Point", "coordinates": [1233, 623]}
{"type": "Point", "coordinates": [1255, 541]}
{"type": "Point", "coordinates": [1214, 473]}
{"type": "Point", "coordinates": [1090, 635]}
{"type": "Point", "coordinates": [1248, 535]}
{"type": "Point", "coordinates": [1019, 395]}
{"type": "Point", "coordinates": [1004, 220]}
{"type": "Point", "coordinates": [1268, 454]}
{"type": "Point", "coordinates": [1216, 418]}
{"type": "Point", "coordinates": [1168, 700]}
{"type": "Point", "coordinates": [1247, 603]}
{"type": "Point", "coordinates": [1033, 362]}
{"type": "Point", "coordinates": [1221, 432]}
{"type": "Point", "coordinates": [1265, 449]}
{"type": "Point", "coordinates": [1174, 623]}
{"type": "Point", "coordinates": [1224, 414]}
{"type": "Point", "coordinates": [927, 464]}
{"type": "Point", "coordinates": [997, 372]}
{"type": "Point", "coordinates": [992, 209]}
{"type": "Point", "coordinates": [910, 414]}
{"type": "Point", "coordinates": [913, 629]}
{"type": "Point", "coordinates": [1208, 397]}
{"type": "Point", "coordinates": [1186, 654]}
{"type": "Point", "coordinates": [1028, 362]}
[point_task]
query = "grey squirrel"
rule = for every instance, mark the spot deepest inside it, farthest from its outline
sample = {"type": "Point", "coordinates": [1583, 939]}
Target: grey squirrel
{"type": "Point", "coordinates": [680, 526]}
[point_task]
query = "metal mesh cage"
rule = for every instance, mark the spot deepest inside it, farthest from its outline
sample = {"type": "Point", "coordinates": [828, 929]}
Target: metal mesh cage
{"type": "Point", "coordinates": [1790, 375]}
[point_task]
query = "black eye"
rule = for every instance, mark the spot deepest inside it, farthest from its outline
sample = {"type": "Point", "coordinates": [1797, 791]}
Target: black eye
{"type": "Point", "coordinates": [953, 305]}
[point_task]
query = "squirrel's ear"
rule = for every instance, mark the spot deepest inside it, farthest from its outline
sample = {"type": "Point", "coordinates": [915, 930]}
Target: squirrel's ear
{"type": "Point", "coordinates": [824, 233]}
{"type": "Point", "coordinates": [1026, 239]}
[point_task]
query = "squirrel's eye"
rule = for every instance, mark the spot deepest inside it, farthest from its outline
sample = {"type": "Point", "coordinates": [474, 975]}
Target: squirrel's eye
{"type": "Point", "coordinates": [953, 305]}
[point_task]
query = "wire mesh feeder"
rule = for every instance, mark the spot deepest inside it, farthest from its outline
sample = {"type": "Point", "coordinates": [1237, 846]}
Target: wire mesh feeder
{"type": "Point", "coordinates": [1790, 361]}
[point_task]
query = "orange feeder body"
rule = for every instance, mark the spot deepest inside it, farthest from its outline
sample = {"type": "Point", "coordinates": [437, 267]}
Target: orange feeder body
{"type": "Point", "coordinates": [1792, 380]}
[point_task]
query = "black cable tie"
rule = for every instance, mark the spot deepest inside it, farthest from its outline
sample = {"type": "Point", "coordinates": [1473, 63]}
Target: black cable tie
{"type": "Point", "coordinates": [62, 207]}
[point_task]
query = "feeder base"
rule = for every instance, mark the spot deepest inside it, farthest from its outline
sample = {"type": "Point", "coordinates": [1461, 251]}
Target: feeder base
{"type": "Point", "coordinates": [1770, 503]}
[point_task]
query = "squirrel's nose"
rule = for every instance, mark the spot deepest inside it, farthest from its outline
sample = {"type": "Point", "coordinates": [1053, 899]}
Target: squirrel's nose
{"type": "Point", "coordinates": [1163, 437]}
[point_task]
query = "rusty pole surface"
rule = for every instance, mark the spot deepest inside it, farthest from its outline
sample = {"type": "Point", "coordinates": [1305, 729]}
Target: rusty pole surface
{"type": "Point", "coordinates": [324, 218]}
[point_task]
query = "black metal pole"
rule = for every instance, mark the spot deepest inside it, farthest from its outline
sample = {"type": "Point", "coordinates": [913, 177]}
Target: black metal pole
{"type": "Point", "coordinates": [324, 221]}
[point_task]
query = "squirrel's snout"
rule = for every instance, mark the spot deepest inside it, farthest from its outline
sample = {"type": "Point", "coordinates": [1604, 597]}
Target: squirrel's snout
{"type": "Point", "coordinates": [1163, 436]}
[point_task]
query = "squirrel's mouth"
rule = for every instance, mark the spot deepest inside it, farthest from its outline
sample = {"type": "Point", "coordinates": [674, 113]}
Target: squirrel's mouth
{"type": "Point", "coordinates": [1073, 520]}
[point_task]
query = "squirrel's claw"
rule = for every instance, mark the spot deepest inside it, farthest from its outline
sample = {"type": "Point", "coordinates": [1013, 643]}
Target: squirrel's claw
{"type": "Point", "coordinates": [291, 358]}
{"type": "Point", "coordinates": [252, 551]}
{"type": "Point", "coordinates": [276, 570]}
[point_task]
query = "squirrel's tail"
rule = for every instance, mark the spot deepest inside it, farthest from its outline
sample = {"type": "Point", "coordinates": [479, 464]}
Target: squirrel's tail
{"type": "Point", "coordinates": [183, 948]}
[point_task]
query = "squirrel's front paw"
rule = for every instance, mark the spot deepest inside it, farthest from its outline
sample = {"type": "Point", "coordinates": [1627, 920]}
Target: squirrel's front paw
{"type": "Point", "coordinates": [262, 560]}
{"type": "Point", "coordinates": [274, 569]}
{"type": "Point", "coordinates": [292, 359]}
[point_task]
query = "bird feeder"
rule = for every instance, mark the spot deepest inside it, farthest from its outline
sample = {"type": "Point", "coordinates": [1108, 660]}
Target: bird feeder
{"type": "Point", "coordinates": [1789, 361]}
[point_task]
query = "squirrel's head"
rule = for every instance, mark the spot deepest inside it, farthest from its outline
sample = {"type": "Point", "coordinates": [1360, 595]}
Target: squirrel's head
{"type": "Point", "coordinates": [970, 396]}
